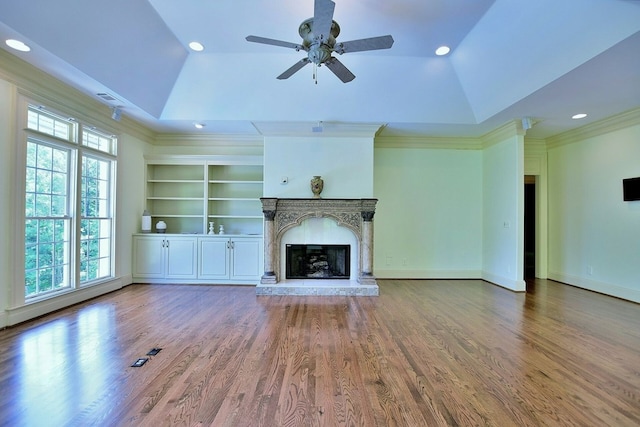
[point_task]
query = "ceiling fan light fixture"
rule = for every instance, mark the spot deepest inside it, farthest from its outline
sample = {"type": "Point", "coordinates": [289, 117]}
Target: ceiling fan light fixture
{"type": "Point", "coordinates": [443, 50]}
{"type": "Point", "coordinates": [196, 46]}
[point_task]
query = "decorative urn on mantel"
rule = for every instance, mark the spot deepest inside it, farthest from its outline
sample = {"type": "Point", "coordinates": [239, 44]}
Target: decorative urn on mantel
{"type": "Point", "coordinates": [317, 184]}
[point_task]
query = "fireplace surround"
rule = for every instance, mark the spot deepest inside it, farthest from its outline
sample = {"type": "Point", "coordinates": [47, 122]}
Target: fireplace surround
{"type": "Point", "coordinates": [282, 215]}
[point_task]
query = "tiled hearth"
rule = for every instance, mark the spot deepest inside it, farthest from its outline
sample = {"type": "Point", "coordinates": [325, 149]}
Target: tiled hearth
{"type": "Point", "coordinates": [282, 215]}
{"type": "Point", "coordinates": [318, 287]}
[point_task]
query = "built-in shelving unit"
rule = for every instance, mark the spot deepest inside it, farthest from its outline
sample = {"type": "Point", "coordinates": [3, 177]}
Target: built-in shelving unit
{"type": "Point", "coordinates": [234, 193]}
{"type": "Point", "coordinates": [191, 191]}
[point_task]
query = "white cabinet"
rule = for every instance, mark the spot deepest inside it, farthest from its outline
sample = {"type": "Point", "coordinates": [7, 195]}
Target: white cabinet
{"type": "Point", "coordinates": [164, 257]}
{"type": "Point", "coordinates": [213, 258]}
{"type": "Point", "coordinates": [232, 259]}
{"type": "Point", "coordinates": [148, 257]}
{"type": "Point", "coordinates": [246, 255]}
{"type": "Point", "coordinates": [202, 259]}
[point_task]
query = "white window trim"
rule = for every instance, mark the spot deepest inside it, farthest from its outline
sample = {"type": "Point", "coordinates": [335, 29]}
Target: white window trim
{"type": "Point", "coordinates": [17, 293]}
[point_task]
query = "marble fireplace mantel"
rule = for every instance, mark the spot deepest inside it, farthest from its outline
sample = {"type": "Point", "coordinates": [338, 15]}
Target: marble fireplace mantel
{"type": "Point", "coordinates": [283, 214]}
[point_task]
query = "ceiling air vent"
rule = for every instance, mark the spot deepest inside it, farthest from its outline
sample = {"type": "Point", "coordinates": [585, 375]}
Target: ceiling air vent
{"type": "Point", "coordinates": [108, 97]}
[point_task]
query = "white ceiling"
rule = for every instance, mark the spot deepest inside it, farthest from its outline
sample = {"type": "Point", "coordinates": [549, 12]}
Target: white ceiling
{"type": "Point", "coordinates": [544, 59]}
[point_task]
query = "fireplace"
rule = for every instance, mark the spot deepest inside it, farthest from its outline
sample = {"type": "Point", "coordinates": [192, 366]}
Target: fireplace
{"type": "Point", "coordinates": [318, 261]}
{"type": "Point", "coordinates": [353, 215]}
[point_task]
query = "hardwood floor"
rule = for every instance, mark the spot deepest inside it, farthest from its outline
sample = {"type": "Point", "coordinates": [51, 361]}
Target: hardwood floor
{"type": "Point", "coordinates": [424, 353]}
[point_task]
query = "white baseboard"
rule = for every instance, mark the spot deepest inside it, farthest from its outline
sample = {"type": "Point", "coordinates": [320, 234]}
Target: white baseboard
{"type": "Point", "coordinates": [596, 286]}
{"type": "Point", "coordinates": [427, 274]}
{"type": "Point", "coordinates": [40, 308]}
{"type": "Point", "coordinates": [505, 282]}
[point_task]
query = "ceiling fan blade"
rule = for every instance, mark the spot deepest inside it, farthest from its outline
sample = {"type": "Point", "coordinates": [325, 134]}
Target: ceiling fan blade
{"type": "Point", "coordinates": [372, 43]}
{"type": "Point", "coordinates": [293, 69]}
{"type": "Point", "coordinates": [323, 18]}
{"type": "Point", "coordinates": [339, 70]}
{"type": "Point", "coordinates": [274, 42]}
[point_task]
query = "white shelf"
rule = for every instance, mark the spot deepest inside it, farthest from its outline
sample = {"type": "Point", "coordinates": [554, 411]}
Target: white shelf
{"type": "Point", "coordinates": [176, 216]}
{"type": "Point", "coordinates": [223, 181]}
{"type": "Point", "coordinates": [178, 181]}
{"type": "Point", "coordinates": [174, 198]}
{"type": "Point", "coordinates": [189, 192]}
{"type": "Point", "coordinates": [235, 199]}
{"type": "Point", "coordinates": [236, 216]}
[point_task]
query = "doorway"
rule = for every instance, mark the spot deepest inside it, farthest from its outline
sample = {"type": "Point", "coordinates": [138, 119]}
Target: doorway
{"type": "Point", "coordinates": [529, 227]}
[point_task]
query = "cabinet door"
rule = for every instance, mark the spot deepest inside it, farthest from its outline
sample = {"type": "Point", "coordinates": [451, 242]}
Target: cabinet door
{"type": "Point", "coordinates": [213, 258]}
{"type": "Point", "coordinates": [245, 262]}
{"type": "Point", "coordinates": [181, 257]}
{"type": "Point", "coordinates": [148, 257]}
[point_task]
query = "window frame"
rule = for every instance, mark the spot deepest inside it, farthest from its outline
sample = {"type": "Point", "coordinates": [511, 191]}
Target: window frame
{"type": "Point", "coordinates": [111, 190]}
{"type": "Point", "coordinates": [67, 217]}
{"type": "Point", "coordinates": [102, 148]}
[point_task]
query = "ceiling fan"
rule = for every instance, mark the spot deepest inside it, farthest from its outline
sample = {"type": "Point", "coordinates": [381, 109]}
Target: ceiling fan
{"type": "Point", "coordinates": [319, 41]}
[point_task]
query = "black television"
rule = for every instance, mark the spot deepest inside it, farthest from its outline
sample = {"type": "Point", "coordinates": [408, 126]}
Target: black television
{"type": "Point", "coordinates": [631, 189]}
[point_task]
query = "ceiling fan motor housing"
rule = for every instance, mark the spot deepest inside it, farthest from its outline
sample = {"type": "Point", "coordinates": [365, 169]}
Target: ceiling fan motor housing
{"type": "Point", "coordinates": [309, 37]}
{"type": "Point", "coordinates": [319, 50]}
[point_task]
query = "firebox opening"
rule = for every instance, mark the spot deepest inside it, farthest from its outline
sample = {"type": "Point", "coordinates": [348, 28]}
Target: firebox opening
{"type": "Point", "coordinates": [318, 261]}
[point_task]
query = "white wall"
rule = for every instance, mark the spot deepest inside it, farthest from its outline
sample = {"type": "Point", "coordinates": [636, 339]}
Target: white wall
{"type": "Point", "coordinates": [503, 217]}
{"type": "Point", "coordinates": [345, 164]}
{"type": "Point", "coordinates": [131, 199]}
{"type": "Point", "coordinates": [7, 172]}
{"type": "Point", "coordinates": [428, 223]}
{"type": "Point", "coordinates": [594, 236]}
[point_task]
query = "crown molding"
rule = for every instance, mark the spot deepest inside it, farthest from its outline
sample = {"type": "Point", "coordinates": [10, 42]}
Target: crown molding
{"type": "Point", "coordinates": [535, 146]}
{"type": "Point", "coordinates": [328, 129]}
{"type": "Point", "coordinates": [49, 91]}
{"type": "Point", "coordinates": [418, 142]}
{"type": "Point", "coordinates": [504, 132]}
{"type": "Point", "coordinates": [610, 124]}
{"type": "Point", "coordinates": [198, 159]}
{"type": "Point", "coordinates": [508, 130]}
{"type": "Point", "coordinates": [208, 140]}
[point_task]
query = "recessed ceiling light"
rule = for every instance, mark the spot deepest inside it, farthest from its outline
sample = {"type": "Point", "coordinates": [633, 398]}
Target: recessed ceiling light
{"type": "Point", "coordinates": [579, 116]}
{"type": "Point", "coordinates": [443, 50]}
{"type": "Point", "coordinates": [17, 45]}
{"type": "Point", "coordinates": [196, 46]}
{"type": "Point", "coordinates": [199, 125]}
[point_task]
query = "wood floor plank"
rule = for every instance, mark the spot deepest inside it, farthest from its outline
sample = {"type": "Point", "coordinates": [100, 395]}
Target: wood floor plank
{"type": "Point", "coordinates": [425, 352]}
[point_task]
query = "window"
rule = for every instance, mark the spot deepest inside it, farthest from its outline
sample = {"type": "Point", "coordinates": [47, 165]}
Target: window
{"type": "Point", "coordinates": [48, 223]}
{"type": "Point", "coordinates": [69, 222]}
{"type": "Point", "coordinates": [95, 224]}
